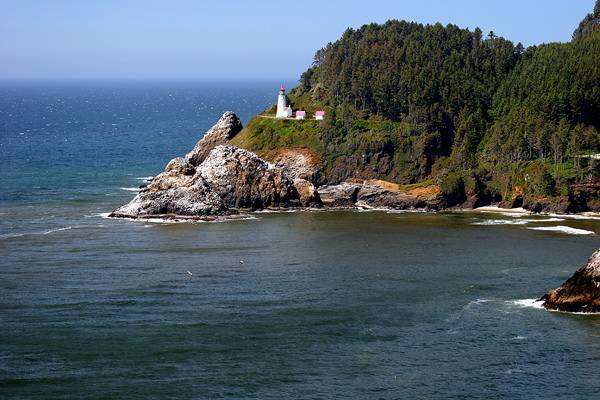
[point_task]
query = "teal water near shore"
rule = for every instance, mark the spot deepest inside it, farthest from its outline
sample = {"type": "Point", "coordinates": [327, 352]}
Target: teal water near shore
{"type": "Point", "coordinates": [340, 304]}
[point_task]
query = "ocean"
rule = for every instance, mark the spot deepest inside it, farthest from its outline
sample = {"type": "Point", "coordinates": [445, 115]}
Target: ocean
{"type": "Point", "coordinates": [310, 305]}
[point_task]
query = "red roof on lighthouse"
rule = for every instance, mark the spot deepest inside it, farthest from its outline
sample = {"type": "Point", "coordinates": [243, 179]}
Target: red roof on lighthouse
{"type": "Point", "coordinates": [282, 88]}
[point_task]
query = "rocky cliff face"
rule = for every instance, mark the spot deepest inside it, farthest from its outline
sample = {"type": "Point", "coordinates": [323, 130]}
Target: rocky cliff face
{"type": "Point", "coordinates": [214, 179]}
{"type": "Point", "coordinates": [581, 292]}
{"type": "Point", "coordinates": [218, 179]}
{"type": "Point", "coordinates": [222, 132]}
{"type": "Point", "coordinates": [378, 194]}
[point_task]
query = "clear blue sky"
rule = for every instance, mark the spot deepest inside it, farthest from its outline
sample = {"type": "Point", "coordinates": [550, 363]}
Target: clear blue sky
{"type": "Point", "coordinates": [236, 38]}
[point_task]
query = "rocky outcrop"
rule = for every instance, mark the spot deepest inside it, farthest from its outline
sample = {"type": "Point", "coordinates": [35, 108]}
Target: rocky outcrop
{"type": "Point", "coordinates": [222, 132]}
{"type": "Point", "coordinates": [342, 195]}
{"type": "Point", "coordinates": [229, 179]}
{"type": "Point", "coordinates": [581, 292]}
{"type": "Point", "coordinates": [309, 196]}
{"type": "Point", "coordinates": [244, 180]}
{"type": "Point", "coordinates": [302, 166]}
{"type": "Point", "coordinates": [297, 163]}
{"type": "Point", "coordinates": [376, 197]}
{"type": "Point", "coordinates": [378, 194]}
{"type": "Point", "coordinates": [217, 180]}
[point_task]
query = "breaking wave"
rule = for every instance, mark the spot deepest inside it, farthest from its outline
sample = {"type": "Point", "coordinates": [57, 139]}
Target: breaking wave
{"type": "Point", "coordinates": [529, 303]}
{"type": "Point", "coordinates": [564, 229]}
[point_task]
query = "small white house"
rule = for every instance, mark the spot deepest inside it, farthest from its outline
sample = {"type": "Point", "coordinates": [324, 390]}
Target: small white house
{"type": "Point", "coordinates": [300, 114]}
{"type": "Point", "coordinates": [319, 115]}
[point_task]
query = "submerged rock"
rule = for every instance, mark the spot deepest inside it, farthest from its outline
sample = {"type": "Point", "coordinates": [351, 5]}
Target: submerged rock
{"type": "Point", "coordinates": [579, 293]}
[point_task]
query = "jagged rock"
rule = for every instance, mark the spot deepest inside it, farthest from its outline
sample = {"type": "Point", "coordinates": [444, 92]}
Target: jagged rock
{"type": "Point", "coordinates": [196, 200]}
{"type": "Point", "coordinates": [581, 292]}
{"type": "Point", "coordinates": [562, 206]}
{"type": "Point", "coordinates": [244, 180]}
{"type": "Point", "coordinates": [377, 197]}
{"type": "Point", "coordinates": [179, 166]}
{"type": "Point", "coordinates": [515, 202]}
{"type": "Point", "coordinates": [298, 163]}
{"type": "Point", "coordinates": [178, 173]}
{"type": "Point", "coordinates": [224, 130]}
{"type": "Point", "coordinates": [229, 178]}
{"type": "Point", "coordinates": [342, 195]}
{"type": "Point", "coordinates": [309, 197]}
{"type": "Point", "coordinates": [225, 179]}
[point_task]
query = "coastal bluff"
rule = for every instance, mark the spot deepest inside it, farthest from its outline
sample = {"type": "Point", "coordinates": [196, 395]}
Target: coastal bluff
{"type": "Point", "coordinates": [579, 293]}
{"type": "Point", "coordinates": [217, 179]}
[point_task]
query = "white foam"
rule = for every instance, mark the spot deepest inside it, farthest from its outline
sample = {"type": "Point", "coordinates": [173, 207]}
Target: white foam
{"type": "Point", "coordinates": [363, 207]}
{"type": "Point", "coordinates": [67, 228]}
{"type": "Point", "coordinates": [409, 211]}
{"type": "Point", "coordinates": [12, 235]}
{"type": "Point", "coordinates": [584, 216]}
{"type": "Point", "coordinates": [479, 301]}
{"type": "Point", "coordinates": [501, 222]}
{"type": "Point", "coordinates": [575, 313]}
{"type": "Point", "coordinates": [525, 303]}
{"type": "Point", "coordinates": [151, 221]}
{"type": "Point", "coordinates": [543, 220]}
{"type": "Point", "coordinates": [130, 189]}
{"type": "Point", "coordinates": [280, 211]}
{"type": "Point", "coordinates": [503, 211]}
{"type": "Point", "coordinates": [563, 229]}
{"type": "Point", "coordinates": [145, 178]}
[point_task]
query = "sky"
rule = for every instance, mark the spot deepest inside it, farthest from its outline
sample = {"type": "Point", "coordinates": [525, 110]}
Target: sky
{"type": "Point", "coordinates": [176, 39]}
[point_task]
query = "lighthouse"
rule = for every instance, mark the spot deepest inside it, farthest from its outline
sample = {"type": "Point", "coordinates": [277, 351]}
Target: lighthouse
{"type": "Point", "coordinates": [283, 110]}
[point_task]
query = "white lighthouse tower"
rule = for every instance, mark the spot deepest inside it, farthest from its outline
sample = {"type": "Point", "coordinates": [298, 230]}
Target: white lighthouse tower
{"type": "Point", "coordinates": [283, 110]}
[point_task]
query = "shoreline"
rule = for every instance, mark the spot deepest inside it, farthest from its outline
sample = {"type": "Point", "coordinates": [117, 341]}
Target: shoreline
{"type": "Point", "coordinates": [248, 214]}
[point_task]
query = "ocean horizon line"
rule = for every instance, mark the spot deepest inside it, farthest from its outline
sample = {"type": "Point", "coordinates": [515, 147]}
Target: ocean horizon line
{"type": "Point", "coordinates": [142, 79]}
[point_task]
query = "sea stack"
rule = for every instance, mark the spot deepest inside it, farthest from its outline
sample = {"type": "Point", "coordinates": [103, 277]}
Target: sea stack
{"type": "Point", "coordinates": [581, 292]}
{"type": "Point", "coordinates": [214, 179]}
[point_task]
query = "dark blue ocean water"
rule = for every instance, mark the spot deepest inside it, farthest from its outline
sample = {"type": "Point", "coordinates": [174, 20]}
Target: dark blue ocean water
{"type": "Point", "coordinates": [325, 304]}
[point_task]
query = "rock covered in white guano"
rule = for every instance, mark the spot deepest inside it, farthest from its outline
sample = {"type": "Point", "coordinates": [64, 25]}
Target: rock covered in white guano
{"type": "Point", "coordinates": [195, 200]}
{"type": "Point", "coordinates": [244, 180]}
{"type": "Point", "coordinates": [225, 179]}
{"type": "Point", "coordinates": [579, 293]}
{"type": "Point", "coordinates": [224, 130]}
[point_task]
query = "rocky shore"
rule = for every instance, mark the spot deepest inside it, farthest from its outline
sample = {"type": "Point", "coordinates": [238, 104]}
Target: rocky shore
{"type": "Point", "coordinates": [579, 293]}
{"type": "Point", "coordinates": [219, 180]}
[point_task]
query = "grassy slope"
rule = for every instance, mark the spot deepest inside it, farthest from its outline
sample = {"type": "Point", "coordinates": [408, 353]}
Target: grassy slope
{"type": "Point", "coordinates": [269, 133]}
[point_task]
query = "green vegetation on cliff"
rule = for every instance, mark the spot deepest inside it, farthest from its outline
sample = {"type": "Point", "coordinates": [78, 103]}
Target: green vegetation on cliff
{"type": "Point", "coordinates": [408, 102]}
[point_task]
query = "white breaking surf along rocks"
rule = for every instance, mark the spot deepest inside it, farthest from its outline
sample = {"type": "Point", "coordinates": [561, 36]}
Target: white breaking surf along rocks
{"type": "Point", "coordinates": [215, 179]}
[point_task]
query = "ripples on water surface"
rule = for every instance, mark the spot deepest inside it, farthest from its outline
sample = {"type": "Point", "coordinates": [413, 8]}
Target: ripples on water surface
{"type": "Point", "coordinates": [324, 305]}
